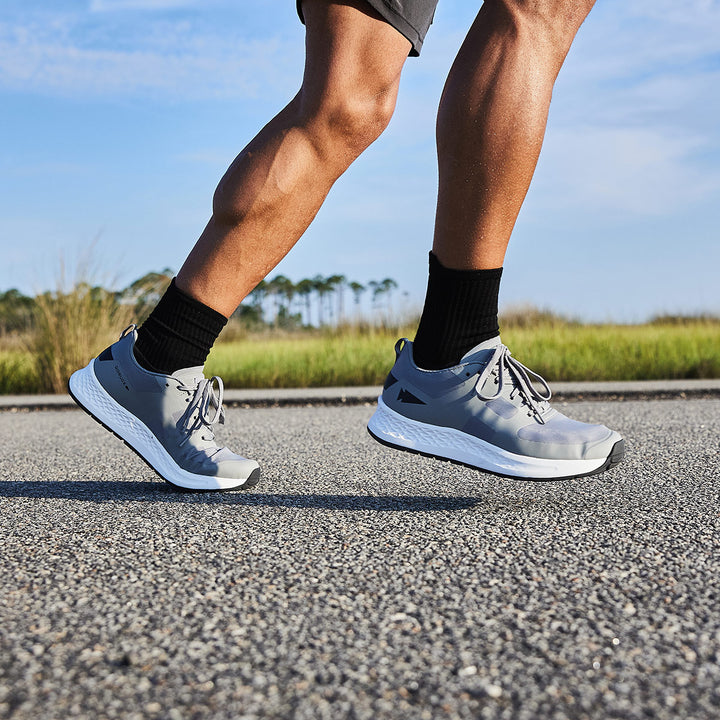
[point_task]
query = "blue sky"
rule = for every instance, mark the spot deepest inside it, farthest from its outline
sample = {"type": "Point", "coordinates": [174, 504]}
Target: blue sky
{"type": "Point", "coordinates": [119, 117]}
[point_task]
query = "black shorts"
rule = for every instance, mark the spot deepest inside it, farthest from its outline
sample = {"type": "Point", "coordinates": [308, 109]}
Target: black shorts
{"type": "Point", "coordinates": [410, 18]}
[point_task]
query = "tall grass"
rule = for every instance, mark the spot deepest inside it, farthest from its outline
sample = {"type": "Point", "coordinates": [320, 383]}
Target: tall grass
{"type": "Point", "coordinates": [316, 360]}
{"type": "Point", "coordinates": [558, 351]}
{"type": "Point", "coordinates": [73, 323]}
{"type": "Point", "coordinates": [620, 352]}
{"type": "Point", "coordinates": [18, 373]}
{"type": "Point", "coordinates": [77, 320]}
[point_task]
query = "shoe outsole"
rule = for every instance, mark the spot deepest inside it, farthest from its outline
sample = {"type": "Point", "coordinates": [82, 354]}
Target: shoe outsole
{"type": "Point", "coordinates": [459, 448]}
{"type": "Point", "coordinates": [252, 480]}
{"type": "Point", "coordinates": [615, 457]}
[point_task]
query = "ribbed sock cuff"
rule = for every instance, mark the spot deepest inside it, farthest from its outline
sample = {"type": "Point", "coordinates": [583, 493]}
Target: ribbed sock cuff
{"type": "Point", "coordinates": [178, 333]}
{"type": "Point", "coordinates": [461, 311]}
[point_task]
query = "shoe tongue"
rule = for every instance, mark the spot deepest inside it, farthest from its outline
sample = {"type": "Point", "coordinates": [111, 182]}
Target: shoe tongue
{"type": "Point", "coordinates": [189, 376]}
{"type": "Point", "coordinates": [490, 344]}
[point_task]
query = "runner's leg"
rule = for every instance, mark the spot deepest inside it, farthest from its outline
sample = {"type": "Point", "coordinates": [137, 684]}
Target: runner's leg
{"type": "Point", "coordinates": [491, 123]}
{"type": "Point", "coordinates": [147, 388]}
{"type": "Point", "coordinates": [473, 402]}
{"type": "Point", "coordinates": [276, 185]}
{"type": "Point", "coordinates": [490, 129]}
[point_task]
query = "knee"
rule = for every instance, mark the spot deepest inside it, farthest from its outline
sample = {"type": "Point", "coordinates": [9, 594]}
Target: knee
{"type": "Point", "coordinates": [358, 122]}
{"type": "Point", "coordinates": [348, 122]}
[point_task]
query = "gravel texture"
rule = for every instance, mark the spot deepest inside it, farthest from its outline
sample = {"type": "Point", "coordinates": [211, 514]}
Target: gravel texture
{"type": "Point", "coordinates": [359, 582]}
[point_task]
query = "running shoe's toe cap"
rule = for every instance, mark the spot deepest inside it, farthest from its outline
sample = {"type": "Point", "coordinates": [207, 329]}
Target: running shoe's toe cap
{"type": "Point", "coordinates": [565, 435]}
{"type": "Point", "coordinates": [239, 478]}
{"type": "Point", "coordinates": [227, 465]}
{"type": "Point", "coordinates": [240, 469]}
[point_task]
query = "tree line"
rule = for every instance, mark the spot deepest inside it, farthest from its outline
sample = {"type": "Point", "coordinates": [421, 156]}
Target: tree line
{"type": "Point", "coordinates": [276, 302]}
{"type": "Point", "coordinates": [314, 301]}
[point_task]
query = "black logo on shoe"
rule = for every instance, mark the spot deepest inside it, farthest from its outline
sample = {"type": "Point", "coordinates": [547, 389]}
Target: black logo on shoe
{"type": "Point", "coordinates": [404, 396]}
{"type": "Point", "coordinates": [389, 381]}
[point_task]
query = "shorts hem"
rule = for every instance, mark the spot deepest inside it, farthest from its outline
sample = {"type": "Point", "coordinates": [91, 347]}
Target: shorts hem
{"type": "Point", "coordinates": [415, 36]}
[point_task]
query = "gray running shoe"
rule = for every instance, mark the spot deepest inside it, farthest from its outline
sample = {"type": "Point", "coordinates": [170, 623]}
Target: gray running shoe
{"type": "Point", "coordinates": [485, 412]}
{"type": "Point", "coordinates": [166, 419]}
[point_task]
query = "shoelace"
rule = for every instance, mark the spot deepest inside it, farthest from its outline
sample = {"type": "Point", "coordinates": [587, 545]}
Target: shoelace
{"type": "Point", "coordinates": [204, 401]}
{"type": "Point", "coordinates": [503, 360]}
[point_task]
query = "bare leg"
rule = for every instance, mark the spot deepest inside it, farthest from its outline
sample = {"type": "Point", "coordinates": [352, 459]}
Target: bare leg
{"type": "Point", "coordinates": [491, 123]}
{"type": "Point", "coordinates": [276, 185]}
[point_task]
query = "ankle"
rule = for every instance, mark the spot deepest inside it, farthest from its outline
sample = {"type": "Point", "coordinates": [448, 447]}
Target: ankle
{"type": "Point", "coordinates": [461, 311]}
{"type": "Point", "coordinates": [179, 333]}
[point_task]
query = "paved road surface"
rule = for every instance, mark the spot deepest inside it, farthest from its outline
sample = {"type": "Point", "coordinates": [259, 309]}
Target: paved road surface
{"type": "Point", "coordinates": [359, 582]}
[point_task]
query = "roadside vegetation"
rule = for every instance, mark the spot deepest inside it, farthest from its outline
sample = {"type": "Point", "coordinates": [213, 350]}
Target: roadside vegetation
{"type": "Point", "coordinates": [558, 350]}
{"type": "Point", "coordinates": [318, 333]}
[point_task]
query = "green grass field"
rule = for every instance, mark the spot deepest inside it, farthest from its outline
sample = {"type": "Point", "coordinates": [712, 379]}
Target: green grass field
{"type": "Point", "coordinates": [559, 351]}
{"type": "Point", "coordinates": [19, 373]}
{"type": "Point", "coordinates": [556, 351]}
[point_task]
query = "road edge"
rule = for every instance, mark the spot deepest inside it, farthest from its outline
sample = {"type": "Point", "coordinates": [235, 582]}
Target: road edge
{"type": "Point", "coordinates": [562, 392]}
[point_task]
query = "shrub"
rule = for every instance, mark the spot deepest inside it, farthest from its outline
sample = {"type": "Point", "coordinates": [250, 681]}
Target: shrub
{"type": "Point", "coordinates": [71, 326]}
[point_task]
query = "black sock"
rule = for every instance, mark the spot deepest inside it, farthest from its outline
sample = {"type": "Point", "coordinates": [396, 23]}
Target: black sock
{"type": "Point", "coordinates": [178, 334]}
{"type": "Point", "coordinates": [461, 311]}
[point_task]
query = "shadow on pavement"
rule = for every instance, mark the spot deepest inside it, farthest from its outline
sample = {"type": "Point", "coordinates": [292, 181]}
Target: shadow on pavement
{"type": "Point", "coordinates": [113, 491]}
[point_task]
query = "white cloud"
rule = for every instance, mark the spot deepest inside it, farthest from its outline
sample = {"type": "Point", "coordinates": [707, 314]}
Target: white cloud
{"type": "Point", "coordinates": [114, 5]}
{"type": "Point", "coordinates": [68, 55]}
{"type": "Point", "coordinates": [635, 117]}
{"type": "Point", "coordinates": [637, 171]}
{"type": "Point", "coordinates": [650, 36]}
{"type": "Point", "coordinates": [68, 69]}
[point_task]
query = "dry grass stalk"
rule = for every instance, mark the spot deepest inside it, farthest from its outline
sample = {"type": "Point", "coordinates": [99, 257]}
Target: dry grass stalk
{"type": "Point", "coordinates": [73, 324]}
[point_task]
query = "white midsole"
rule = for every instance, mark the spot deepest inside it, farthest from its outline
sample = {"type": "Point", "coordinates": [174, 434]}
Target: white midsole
{"type": "Point", "coordinates": [451, 444]}
{"type": "Point", "coordinates": [85, 386]}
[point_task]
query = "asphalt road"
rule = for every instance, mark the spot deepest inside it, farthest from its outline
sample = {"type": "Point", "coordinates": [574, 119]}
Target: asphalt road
{"type": "Point", "coordinates": [357, 581]}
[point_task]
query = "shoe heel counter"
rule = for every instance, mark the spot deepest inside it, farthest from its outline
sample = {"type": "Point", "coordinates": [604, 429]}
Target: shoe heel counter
{"type": "Point", "coordinates": [118, 372]}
